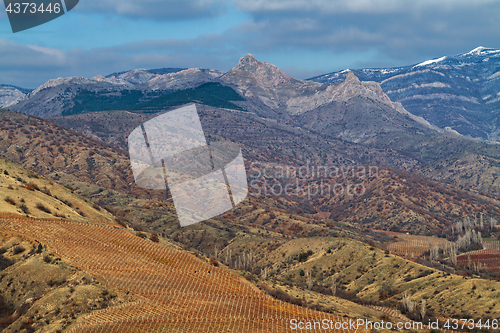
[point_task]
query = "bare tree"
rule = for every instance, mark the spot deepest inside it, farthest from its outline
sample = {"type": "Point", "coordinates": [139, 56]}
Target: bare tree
{"type": "Point", "coordinates": [334, 287]}
{"type": "Point", "coordinates": [263, 273]}
{"type": "Point", "coordinates": [422, 310]}
{"type": "Point", "coordinates": [309, 280]}
{"type": "Point", "coordinates": [453, 254]}
{"type": "Point", "coordinates": [408, 304]}
{"type": "Point", "coordinates": [434, 252]}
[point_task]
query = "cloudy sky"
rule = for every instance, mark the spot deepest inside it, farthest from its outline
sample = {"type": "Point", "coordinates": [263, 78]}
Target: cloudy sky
{"type": "Point", "coordinates": [302, 37]}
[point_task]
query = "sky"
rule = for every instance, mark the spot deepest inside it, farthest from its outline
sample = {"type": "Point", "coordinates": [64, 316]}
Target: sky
{"type": "Point", "coordinates": [303, 38]}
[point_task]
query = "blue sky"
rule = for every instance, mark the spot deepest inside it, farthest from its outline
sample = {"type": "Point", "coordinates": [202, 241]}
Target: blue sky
{"type": "Point", "coordinates": [303, 38]}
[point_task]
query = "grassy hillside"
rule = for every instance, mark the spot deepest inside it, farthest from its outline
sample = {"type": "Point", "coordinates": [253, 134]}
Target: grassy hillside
{"type": "Point", "coordinates": [393, 200]}
{"type": "Point", "coordinates": [24, 192]}
{"type": "Point", "coordinates": [368, 275]}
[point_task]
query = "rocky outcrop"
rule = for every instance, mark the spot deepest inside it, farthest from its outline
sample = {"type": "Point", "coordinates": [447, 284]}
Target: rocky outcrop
{"type": "Point", "coordinates": [9, 95]}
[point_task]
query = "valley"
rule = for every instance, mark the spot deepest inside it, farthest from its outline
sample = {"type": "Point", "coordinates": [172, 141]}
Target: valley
{"type": "Point", "coordinates": [415, 239]}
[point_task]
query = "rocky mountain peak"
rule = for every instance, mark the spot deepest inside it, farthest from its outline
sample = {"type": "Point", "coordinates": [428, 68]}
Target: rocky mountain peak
{"type": "Point", "coordinates": [352, 87]}
{"type": "Point", "coordinates": [248, 62]}
{"type": "Point", "coordinates": [264, 72]}
{"type": "Point", "coordinates": [351, 78]}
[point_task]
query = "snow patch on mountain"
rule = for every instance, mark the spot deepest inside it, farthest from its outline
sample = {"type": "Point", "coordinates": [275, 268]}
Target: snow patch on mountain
{"type": "Point", "coordinates": [429, 62]}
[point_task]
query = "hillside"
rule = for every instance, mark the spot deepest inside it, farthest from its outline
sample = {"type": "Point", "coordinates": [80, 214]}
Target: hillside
{"type": "Point", "coordinates": [257, 136]}
{"type": "Point", "coordinates": [168, 286]}
{"type": "Point", "coordinates": [24, 192]}
{"type": "Point", "coordinates": [358, 271]}
{"type": "Point", "coordinates": [477, 169]}
{"type": "Point", "coordinates": [41, 293]}
{"type": "Point", "coordinates": [393, 199]}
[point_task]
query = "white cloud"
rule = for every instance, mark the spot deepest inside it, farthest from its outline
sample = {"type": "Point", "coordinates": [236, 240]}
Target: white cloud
{"type": "Point", "coordinates": [353, 6]}
{"type": "Point", "coordinates": [57, 54]}
{"type": "Point", "coordinates": [30, 66]}
{"type": "Point", "coordinates": [280, 28]}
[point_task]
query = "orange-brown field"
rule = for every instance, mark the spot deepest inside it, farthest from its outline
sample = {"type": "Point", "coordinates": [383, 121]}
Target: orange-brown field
{"type": "Point", "coordinates": [487, 259]}
{"type": "Point", "coordinates": [413, 246]}
{"type": "Point", "coordinates": [177, 291]}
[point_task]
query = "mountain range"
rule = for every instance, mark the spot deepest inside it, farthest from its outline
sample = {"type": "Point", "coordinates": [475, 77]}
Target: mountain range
{"type": "Point", "coordinates": [457, 93]}
{"type": "Point", "coordinates": [346, 254]}
{"type": "Point", "coordinates": [349, 120]}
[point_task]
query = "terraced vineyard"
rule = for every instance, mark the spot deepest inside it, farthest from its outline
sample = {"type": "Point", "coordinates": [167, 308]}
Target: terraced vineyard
{"type": "Point", "coordinates": [177, 291]}
{"type": "Point", "coordinates": [487, 259]}
{"type": "Point", "coordinates": [414, 246]}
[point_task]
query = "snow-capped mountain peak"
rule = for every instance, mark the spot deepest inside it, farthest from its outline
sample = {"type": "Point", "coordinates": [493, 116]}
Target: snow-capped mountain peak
{"type": "Point", "coordinates": [481, 50]}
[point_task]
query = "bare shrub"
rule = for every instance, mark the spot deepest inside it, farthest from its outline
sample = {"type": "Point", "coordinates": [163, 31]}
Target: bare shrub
{"type": "Point", "coordinates": [31, 187]}
{"type": "Point", "coordinates": [24, 209]}
{"type": "Point", "coordinates": [44, 209]}
{"type": "Point", "coordinates": [10, 200]}
{"type": "Point", "coordinates": [154, 237]}
{"type": "Point", "coordinates": [18, 249]}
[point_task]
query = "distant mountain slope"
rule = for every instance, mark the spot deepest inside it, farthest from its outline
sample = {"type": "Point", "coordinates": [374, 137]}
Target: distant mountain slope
{"type": "Point", "coordinates": [332, 110]}
{"type": "Point", "coordinates": [138, 75]}
{"type": "Point", "coordinates": [125, 90]}
{"type": "Point", "coordinates": [460, 92]}
{"type": "Point", "coordinates": [60, 154]}
{"type": "Point", "coordinates": [263, 89]}
{"type": "Point", "coordinates": [367, 272]}
{"type": "Point", "coordinates": [11, 94]}
{"type": "Point", "coordinates": [305, 114]}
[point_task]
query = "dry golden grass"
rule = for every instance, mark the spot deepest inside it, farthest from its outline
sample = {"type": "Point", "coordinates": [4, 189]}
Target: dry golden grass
{"type": "Point", "coordinates": [26, 188]}
{"type": "Point", "coordinates": [366, 271]}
